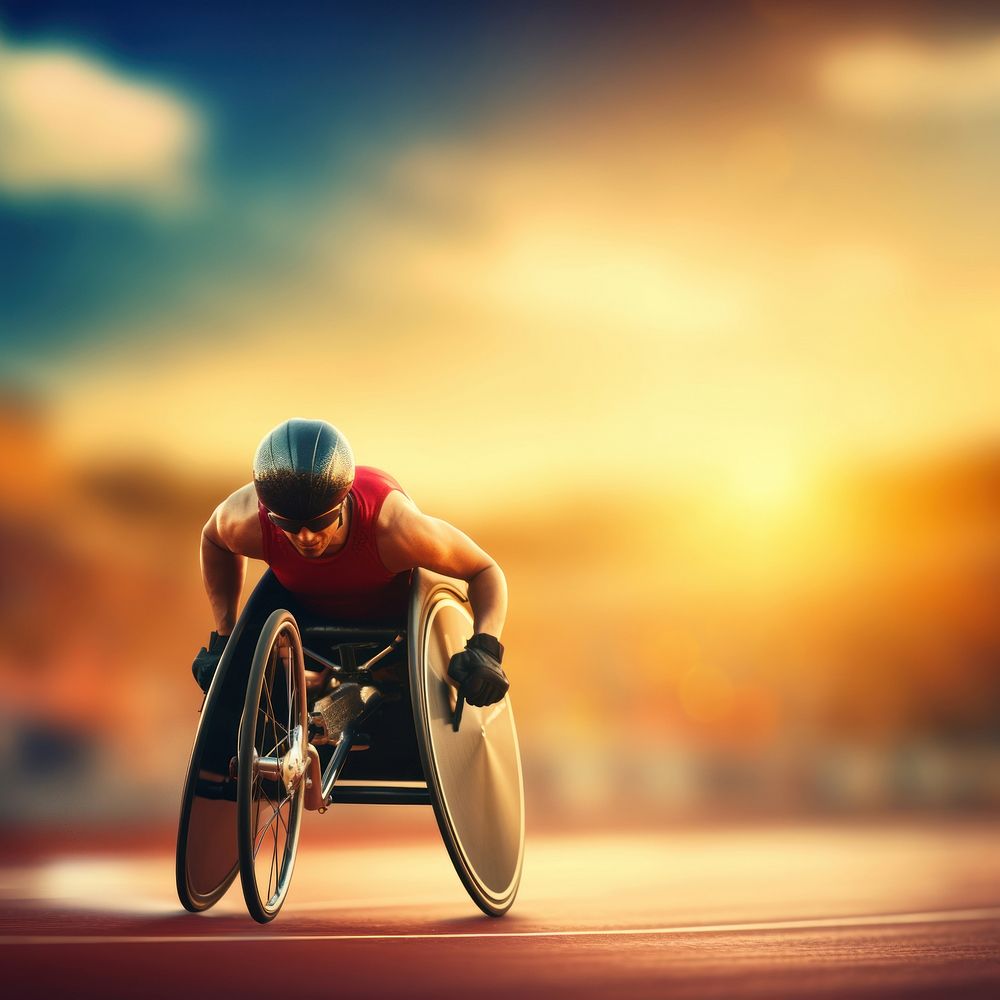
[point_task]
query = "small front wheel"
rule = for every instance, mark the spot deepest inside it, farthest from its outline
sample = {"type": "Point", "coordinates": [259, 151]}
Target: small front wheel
{"type": "Point", "coordinates": [273, 754]}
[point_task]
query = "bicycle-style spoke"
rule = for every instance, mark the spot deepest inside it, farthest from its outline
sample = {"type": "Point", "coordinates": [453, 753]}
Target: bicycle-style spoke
{"type": "Point", "coordinates": [270, 726]}
{"type": "Point", "coordinates": [269, 712]}
{"type": "Point", "coordinates": [272, 752]}
{"type": "Point", "coordinates": [270, 716]}
{"type": "Point", "coordinates": [274, 735]}
{"type": "Point", "coordinates": [281, 819]}
{"type": "Point", "coordinates": [291, 688]}
{"type": "Point", "coordinates": [273, 867]}
{"type": "Point", "coordinates": [261, 832]}
{"type": "Point", "coordinates": [277, 824]}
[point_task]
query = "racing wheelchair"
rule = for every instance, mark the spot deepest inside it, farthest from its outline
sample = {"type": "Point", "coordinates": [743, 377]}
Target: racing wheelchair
{"type": "Point", "coordinates": [304, 714]}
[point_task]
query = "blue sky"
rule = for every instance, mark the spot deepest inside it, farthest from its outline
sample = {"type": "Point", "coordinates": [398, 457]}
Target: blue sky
{"type": "Point", "coordinates": [291, 104]}
{"type": "Point", "coordinates": [298, 102]}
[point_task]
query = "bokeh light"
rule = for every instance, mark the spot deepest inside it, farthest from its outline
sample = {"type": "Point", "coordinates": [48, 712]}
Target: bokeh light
{"type": "Point", "coordinates": [691, 321]}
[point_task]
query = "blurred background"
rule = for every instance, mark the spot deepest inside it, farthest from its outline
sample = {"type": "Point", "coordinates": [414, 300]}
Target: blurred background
{"type": "Point", "coordinates": [689, 315]}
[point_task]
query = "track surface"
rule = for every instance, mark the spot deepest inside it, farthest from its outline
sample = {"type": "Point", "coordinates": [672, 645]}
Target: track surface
{"type": "Point", "coordinates": [876, 910]}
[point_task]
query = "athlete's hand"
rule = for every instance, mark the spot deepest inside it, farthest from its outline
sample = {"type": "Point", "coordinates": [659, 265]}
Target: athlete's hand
{"type": "Point", "coordinates": [477, 671]}
{"type": "Point", "coordinates": [207, 660]}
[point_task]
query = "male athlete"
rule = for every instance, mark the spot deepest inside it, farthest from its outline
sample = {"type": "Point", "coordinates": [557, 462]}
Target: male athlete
{"type": "Point", "coordinates": [343, 540]}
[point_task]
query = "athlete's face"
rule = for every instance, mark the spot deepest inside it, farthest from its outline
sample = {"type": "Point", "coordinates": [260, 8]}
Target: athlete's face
{"type": "Point", "coordinates": [314, 537]}
{"type": "Point", "coordinates": [313, 544]}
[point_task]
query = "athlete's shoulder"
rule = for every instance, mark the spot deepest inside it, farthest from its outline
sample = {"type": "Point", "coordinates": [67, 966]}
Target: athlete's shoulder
{"type": "Point", "coordinates": [235, 523]}
{"type": "Point", "coordinates": [394, 505]}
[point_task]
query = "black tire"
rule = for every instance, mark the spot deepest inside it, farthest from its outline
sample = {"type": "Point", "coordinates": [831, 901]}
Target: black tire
{"type": "Point", "coordinates": [269, 808]}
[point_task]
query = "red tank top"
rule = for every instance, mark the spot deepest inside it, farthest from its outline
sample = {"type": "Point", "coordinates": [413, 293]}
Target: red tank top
{"type": "Point", "coordinates": [352, 584]}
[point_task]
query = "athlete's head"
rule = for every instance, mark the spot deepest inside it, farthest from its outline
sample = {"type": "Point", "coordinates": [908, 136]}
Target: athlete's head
{"type": "Point", "coordinates": [303, 471]}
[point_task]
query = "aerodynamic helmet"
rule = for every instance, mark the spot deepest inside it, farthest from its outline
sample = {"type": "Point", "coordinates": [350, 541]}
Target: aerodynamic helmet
{"type": "Point", "coordinates": [303, 469]}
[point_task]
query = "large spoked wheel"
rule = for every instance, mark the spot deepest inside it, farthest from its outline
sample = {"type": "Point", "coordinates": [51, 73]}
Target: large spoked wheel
{"type": "Point", "coordinates": [473, 772]}
{"type": "Point", "coordinates": [273, 754]}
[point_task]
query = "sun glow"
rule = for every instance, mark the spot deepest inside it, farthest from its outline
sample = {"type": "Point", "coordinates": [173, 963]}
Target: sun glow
{"type": "Point", "coordinates": [765, 485]}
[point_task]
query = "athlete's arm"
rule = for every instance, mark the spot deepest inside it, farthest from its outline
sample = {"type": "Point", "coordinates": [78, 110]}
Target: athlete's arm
{"type": "Point", "coordinates": [407, 538]}
{"type": "Point", "coordinates": [230, 535]}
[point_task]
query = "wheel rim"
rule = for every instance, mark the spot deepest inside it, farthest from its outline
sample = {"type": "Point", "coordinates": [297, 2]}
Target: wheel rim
{"type": "Point", "coordinates": [277, 768]}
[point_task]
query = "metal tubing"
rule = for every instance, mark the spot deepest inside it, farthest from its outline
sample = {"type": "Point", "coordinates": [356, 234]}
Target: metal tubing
{"type": "Point", "coordinates": [337, 762]}
{"type": "Point", "coordinates": [334, 668]}
{"type": "Point", "coordinates": [340, 670]}
{"type": "Point", "coordinates": [387, 795]}
{"type": "Point", "coordinates": [395, 644]}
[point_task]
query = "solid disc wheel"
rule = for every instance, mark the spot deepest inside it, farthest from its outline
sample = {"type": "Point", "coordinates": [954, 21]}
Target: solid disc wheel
{"type": "Point", "coordinates": [474, 773]}
{"type": "Point", "coordinates": [272, 758]}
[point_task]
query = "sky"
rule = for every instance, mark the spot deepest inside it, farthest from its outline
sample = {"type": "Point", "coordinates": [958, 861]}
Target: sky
{"type": "Point", "coordinates": [726, 243]}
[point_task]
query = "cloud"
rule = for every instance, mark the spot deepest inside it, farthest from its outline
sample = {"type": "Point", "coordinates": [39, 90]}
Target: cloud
{"type": "Point", "coordinates": [505, 231]}
{"type": "Point", "coordinates": [70, 124]}
{"type": "Point", "coordinates": [900, 77]}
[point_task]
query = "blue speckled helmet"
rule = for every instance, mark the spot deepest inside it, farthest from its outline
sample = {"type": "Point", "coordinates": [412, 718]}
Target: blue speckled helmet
{"type": "Point", "coordinates": [302, 469]}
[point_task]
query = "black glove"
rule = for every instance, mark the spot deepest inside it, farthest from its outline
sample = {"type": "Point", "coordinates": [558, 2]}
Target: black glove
{"type": "Point", "coordinates": [207, 660]}
{"type": "Point", "coordinates": [477, 671]}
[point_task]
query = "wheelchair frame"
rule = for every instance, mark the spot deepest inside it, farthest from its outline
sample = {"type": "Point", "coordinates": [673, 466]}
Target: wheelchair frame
{"type": "Point", "coordinates": [401, 768]}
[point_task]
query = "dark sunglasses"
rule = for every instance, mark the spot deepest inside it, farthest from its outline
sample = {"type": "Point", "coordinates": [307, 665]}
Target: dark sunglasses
{"type": "Point", "coordinates": [316, 524]}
